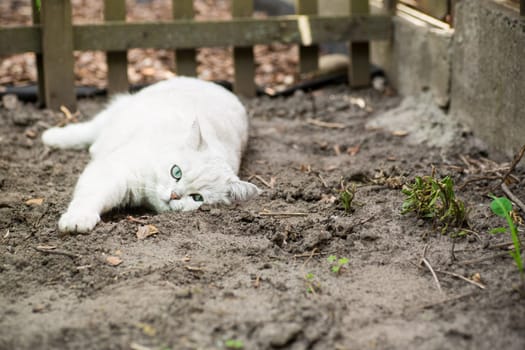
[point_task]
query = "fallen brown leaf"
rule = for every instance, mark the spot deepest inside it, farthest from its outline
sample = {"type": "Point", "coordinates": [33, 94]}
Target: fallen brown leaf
{"type": "Point", "coordinates": [35, 201]}
{"type": "Point", "coordinates": [400, 133]}
{"type": "Point", "coordinates": [353, 150]}
{"type": "Point", "coordinates": [146, 231]}
{"type": "Point", "coordinates": [113, 260]}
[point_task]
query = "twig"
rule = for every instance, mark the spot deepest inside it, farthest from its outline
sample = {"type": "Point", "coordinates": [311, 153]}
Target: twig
{"type": "Point", "coordinates": [512, 197]}
{"type": "Point", "coordinates": [482, 286]}
{"type": "Point", "coordinates": [475, 261]}
{"type": "Point", "coordinates": [138, 221]}
{"type": "Point", "coordinates": [322, 180]}
{"type": "Point", "coordinates": [56, 251]}
{"type": "Point", "coordinates": [312, 253]}
{"type": "Point", "coordinates": [427, 264]}
{"type": "Point", "coordinates": [515, 162]}
{"type": "Point", "coordinates": [193, 268]}
{"type": "Point", "coordinates": [269, 213]}
{"type": "Point", "coordinates": [263, 181]}
{"type": "Point", "coordinates": [325, 124]}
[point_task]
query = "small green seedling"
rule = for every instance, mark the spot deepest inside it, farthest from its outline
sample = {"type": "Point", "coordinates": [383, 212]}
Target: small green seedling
{"type": "Point", "coordinates": [434, 199]}
{"type": "Point", "coordinates": [38, 5]}
{"type": "Point", "coordinates": [234, 344]}
{"type": "Point", "coordinates": [502, 207]}
{"type": "Point", "coordinates": [312, 286]}
{"type": "Point", "coordinates": [346, 196]}
{"type": "Point", "coordinates": [337, 264]}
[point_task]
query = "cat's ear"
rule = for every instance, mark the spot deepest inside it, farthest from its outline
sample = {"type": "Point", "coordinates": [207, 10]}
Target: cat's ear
{"type": "Point", "coordinates": [195, 140]}
{"type": "Point", "coordinates": [240, 191]}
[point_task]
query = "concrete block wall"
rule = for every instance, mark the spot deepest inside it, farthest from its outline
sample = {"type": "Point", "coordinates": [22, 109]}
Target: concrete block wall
{"type": "Point", "coordinates": [488, 72]}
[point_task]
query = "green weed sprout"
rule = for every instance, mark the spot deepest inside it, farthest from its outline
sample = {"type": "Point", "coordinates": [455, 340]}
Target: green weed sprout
{"type": "Point", "coordinates": [434, 199]}
{"type": "Point", "coordinates": [337, 264]}
{"type": "Point", "coordinates": [502, 207]}
{"type": "Point", "coordinates": [234, 344]}
{"type": "Point", "coordinates": [346, 196]}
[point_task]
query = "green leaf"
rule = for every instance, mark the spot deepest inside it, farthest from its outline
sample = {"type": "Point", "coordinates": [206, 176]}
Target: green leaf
{"type": "Point", "coordinates": [336, 268]}
{"type": "Point", "coordinates": [234, 344]}
{"type": "Point", "coordinates": [310, 276]}
{"type": "Point", "coordinates": [501, 206]}
{"type": "Point", "coordinates": [497, 230]}
{"type": "Point", "coordinates": [38, 4]}
{"type": "Point", "coordinates": [331, 258]}
{"type": "Point", "coordinates": [342, 261]}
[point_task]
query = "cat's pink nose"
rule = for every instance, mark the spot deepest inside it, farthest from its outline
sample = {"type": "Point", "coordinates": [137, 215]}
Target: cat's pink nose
{"type": "Point", "coordinates": [174, 196]}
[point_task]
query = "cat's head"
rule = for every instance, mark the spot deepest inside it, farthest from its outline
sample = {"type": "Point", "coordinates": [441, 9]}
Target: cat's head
{"type": "Point", "coordinates": [197, 176]}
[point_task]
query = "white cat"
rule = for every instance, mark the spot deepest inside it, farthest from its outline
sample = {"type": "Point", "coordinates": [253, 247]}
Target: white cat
{"type": "Point", "coordinates": [172, 146]}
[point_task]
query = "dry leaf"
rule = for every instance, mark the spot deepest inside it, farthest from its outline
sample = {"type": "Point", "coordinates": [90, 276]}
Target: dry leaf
{"type": "Point", "coordinates": [146, 231]}
{"type": "Point", "coordinates": [35, 201]}
{"type": "Point", "coordinates": [147, 329]}
{"type": "Point", "coordinates": [30, 133]}
{"type": "Point", "coordinates": [328, 198]}
{"type": "Point", "coordinates": [476, 277]}
{"type": "Point", "coordinates": [113, 260]}
{"type": "Point", "coordinates": [400, 133]}
{"type": "Point", "coordinates": [305, 168]}
{"type": "Point", "coordinates": [353, 150]}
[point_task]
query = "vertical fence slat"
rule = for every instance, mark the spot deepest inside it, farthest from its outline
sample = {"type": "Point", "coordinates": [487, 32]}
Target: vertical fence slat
{"type": "Point", "coordinates": [185, 59]}
{"type": "Point", "coordinates": [359, 51]}
{"type": "Point", "coordinates": [38, 58]}
{"type": "Point", "coordinates": [390, 6]}
{"type": "Point", "coordinates": [115, 10]}
{"type": "Point", "coordinates": [522, 7]}
{"type": "Point", "coordinates": [308, 55]}
{"type": "Point", "coordinates": [57, 54]}
{"type": "Point", "coordinates": [243, 58]}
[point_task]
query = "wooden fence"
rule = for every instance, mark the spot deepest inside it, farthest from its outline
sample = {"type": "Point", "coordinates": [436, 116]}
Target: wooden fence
{"type": "Point", "coordinates": [53, 38]}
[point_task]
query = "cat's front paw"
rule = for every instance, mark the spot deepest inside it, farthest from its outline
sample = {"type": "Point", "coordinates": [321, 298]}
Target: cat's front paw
{"type": "Point", "coordinates": [78, 221]}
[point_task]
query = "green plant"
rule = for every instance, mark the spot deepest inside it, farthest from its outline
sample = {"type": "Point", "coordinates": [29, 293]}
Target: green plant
{"type": "Point", "coordinates": [502, 207]}
{"type": "Point", "coordinates": [337, 264]}
{"type": "Point", "coordinates": [346, 196]}
{"type": "Point", "coordinates": [234, 344]}
{"type": "Point", "coordinates": [430, 198]}
{"type": "Point", "coordinates": [38, 5]}
{"type": "Point", "coordinates": [312, 286]}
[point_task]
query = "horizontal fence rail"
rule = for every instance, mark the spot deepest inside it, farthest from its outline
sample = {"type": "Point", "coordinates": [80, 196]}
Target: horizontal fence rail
{"type": "Point", "coordinates": [188, 34]}
{"type": "Point", "coordinates": [184, 35]}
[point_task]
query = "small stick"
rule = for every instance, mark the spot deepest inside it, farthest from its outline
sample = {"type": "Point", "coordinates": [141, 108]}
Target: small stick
{"type": "Point", "coordinates": [325, 124]}
{"type": "Point", "coordinates": [515, 162]}
{"type": "Point", "coordinates": [193, 268]}
{"type": "Point", "coordinates": [482, 286]}
{"type": "Point", "coordinates": [269, 213]}
{"type": "Point", "coordinates": [257, 282]}
{"type": "Point", "coordinates": [56, 251]}
{"type": "Point", "coordinates": [512, 197]}
{"type": "Point", "coordinates": [322, 180]}
{"type": "Point", "coordinates": [305, 255]}
{"type": "Point", "coordinates": [264, 182]}
{"type": "Point", "coordinates": [138, 221]}
{"type": "Point", "coordinates": [475, 261]}
{"type": "Point", "coordinates": [427, 264]}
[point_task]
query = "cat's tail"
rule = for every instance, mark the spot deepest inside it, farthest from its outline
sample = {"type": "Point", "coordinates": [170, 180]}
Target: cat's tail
{"type": "Point", "coordinates": [76, 136]}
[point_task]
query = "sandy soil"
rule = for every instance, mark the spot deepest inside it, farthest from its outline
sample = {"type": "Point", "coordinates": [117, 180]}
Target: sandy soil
{"type": "Point", "coordinates": [236, 273]}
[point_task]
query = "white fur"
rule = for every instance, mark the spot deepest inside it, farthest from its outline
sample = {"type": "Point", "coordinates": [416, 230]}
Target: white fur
{"type": "Point", "coordinates": [135, 141]}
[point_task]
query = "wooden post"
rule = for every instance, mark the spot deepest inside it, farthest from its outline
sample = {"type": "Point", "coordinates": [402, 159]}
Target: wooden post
{"type": "Point", "coordinates": [522, 7]}
{"type": "Point", "coordinates": [243, 58]}
{"type": "Point", "coordinates": [185, 59]}
{"type": "Point", "coordinates": [359, 74]}
{"type": "Point", "coordinates": [57, 54]}
{"type": "Point", "coordinates": [391, 6]}
{"type": "Point", "coordinates": [38, 57]}
{"type": "Point", "coordinates": [115, 10]}
{"type": "Point", "coordinates": [308, 53]}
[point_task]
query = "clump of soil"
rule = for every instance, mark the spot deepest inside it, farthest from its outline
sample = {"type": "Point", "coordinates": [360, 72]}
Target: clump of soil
{"type": "Point", "coordinates": [258, 273]}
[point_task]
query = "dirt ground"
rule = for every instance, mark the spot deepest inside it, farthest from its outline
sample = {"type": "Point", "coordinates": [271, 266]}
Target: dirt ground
{"type": "Point", "coordinates": [247, 276]}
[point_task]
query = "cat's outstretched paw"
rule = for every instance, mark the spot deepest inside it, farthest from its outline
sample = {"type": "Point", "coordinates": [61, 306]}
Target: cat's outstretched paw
{"type": "Point", "coordinates": [78, 221]}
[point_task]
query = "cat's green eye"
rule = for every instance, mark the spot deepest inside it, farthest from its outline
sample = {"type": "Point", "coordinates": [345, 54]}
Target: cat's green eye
{"type": "Point", "coordinates": [176, 173]}
{"type": "Point", "coordinates": [197, 197]}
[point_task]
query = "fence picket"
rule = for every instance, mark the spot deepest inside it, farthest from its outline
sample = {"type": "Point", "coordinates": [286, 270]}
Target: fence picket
{"type": "Point", "coordinates": [57, 54]}
{"type": "Point", "coordinates": [185, 59]}
{"type": "Point", "coordinates": [38, 57]}
{"type": "Point", "coordinates": [359, 74]}
{"type": "Point", "coordinates": [243, 58]}
{"type": "Point", "coordinates": [308, 54]}
{"type": "Point", "coordinates": [115, 10]}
